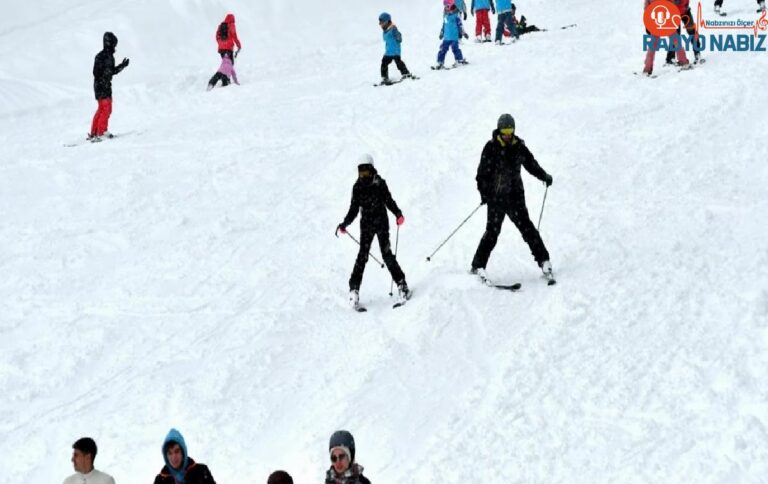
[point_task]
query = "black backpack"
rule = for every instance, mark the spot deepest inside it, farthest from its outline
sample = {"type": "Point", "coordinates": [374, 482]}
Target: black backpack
{"type": "Point", "coordinates": [223, 32]}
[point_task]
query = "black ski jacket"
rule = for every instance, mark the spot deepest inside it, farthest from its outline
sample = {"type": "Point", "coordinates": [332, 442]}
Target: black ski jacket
{"type": "Point", "coordinates": [103, 70]}
{"type": "Point", "coordinates": [371, 197]}
{"type": "Point", "coordinates": [498, 175]}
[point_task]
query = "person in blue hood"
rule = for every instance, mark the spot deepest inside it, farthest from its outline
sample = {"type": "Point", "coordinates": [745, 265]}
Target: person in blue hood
{"type": "Point", "coordinates": [179, 468]}
{"type": "Point", "coordinates": [392, 41]}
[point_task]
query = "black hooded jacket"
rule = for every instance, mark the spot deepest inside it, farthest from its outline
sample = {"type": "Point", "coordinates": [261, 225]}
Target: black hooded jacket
{"type": "Point", "coordinates": [104, 68]}
{"type": "Point", "coordinates": [498, 175]}
{"type": "Point", "coordinates": [371, 197]}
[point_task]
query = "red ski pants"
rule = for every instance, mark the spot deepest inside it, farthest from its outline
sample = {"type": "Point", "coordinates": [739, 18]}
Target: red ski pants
{"type": "Point", "coordinates": [101, 118]}
{"type": "Point", "coordinates": [482, 22]}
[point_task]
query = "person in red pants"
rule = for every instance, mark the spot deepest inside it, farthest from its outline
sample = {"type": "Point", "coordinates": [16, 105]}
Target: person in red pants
{"type": "Point", "coordinates": [103, 69]}
{"type": "Point", "coordinates": [482, 21]}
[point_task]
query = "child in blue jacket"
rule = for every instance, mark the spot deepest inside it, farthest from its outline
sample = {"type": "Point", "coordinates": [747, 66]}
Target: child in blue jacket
{"type": "Point", "coordinates": [392, 41]}
{"type": "Point", "coordinates": [505, 10]}
{"type": "Point", "coordinates": [450, 34]}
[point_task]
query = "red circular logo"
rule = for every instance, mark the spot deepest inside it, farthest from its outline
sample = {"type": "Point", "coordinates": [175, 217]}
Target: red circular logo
{"type": "Point", "coordinates": [662, 18]}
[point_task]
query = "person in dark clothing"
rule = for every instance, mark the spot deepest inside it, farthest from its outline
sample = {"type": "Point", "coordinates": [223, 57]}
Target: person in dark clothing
{"type": "Point", "coordinates": [524, 28]}
{"type": "Point", "coordinates": [179, 467]}
{"type": "Point", "coordinates": [370, 195]}
{"type": "Point", "coordinates": [280, 477]}
{"type": "Point", "coordinates": [344, 469]}
{"type": "Point", "coordinates": [103, 70]}
{"type": "Point", "coordinates": [501, 188]}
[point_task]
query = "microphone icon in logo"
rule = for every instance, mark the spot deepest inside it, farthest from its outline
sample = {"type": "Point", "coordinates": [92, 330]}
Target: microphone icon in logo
{"type": "Point", "coordinates": [660, 15]}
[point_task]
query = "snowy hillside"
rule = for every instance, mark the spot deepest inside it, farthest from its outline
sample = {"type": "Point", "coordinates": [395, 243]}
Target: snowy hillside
{"type": "Point", "coordinates": [186, 274]}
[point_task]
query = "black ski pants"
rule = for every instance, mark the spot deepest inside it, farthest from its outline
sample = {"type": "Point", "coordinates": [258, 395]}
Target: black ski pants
{"type": "Point", "coordinates": [387, 59]}
{"type": "Point", "coordinates": [216, 77]}
{"type": "Point", "coordinates": [366, 240]}
{"type": "Point", "coordinates": [518, 214]}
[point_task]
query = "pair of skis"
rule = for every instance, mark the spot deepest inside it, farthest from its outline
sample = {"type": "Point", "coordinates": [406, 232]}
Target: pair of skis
{"type": "Point", "coordinates": [397, 81]}
{"type": "Point", "coordinates": [551, 281]}
{"type": "Point", "coordinates": [401, 302]}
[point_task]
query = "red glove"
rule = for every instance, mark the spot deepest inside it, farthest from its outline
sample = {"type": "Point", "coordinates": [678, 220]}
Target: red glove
{"type": "Point", "coordinates": [400, 220]}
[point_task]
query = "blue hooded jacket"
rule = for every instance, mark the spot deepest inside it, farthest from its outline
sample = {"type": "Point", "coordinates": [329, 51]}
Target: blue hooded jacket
{"type": "Point", "coordinates": [452, 27]}
{"type": "Point", "coordinates": [392, 40]}
{"type": "Point", "coordinates": [175, 436]}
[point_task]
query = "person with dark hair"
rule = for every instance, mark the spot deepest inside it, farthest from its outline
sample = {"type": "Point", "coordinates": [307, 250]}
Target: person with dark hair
{"type": "Point", "coordinates": [179, 468]}
{"type": "Point", "coordinates": [371, 198]}
{"type": "Point", "coordinates": [226, 38]}
{"type": "Point", "coordinates": [280, 477]}
{"type": "Point", "coordinates": [501, 188]}
{"type": "Point", "coordinates": [103, 69]}
{"type": "Point", "coordinates": [83, 455]}
{"type": "Point", "coordinates": [344, 468]}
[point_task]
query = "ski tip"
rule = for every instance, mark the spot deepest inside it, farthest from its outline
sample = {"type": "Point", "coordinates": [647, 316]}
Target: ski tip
{"type": "Point", "coordinates": [551, 282]}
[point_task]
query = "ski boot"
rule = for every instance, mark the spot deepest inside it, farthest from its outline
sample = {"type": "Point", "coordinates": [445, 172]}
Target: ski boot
{"type": "Point", "coordinates": [546, 269]}
{"type": "Point", "coordinates": [462, 62]}
{"type": "Point", "coordinates": [402, 291]}
{"type": "Point", "coordinates": [480, 272]}
{"type": "Point", "coordinates": [438, 67]}
{"type": "Point", "coordinates": [479, 39]}
{"type": "Point", "coordinates": [385, 81]}
{"type": "Point", "coordinates": [108, 135]}
{"type": "Point", "coordinates": [761, 9]}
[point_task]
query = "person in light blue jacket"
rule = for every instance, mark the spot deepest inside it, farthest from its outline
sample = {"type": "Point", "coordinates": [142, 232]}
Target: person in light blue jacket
{"type": "Point", "coordinates": [392, 40]}
{"type": "Point", "coordinates": [505, 10]}
{"type": "Point", "coordinates": [462, 6]}
{"type": "Point", "coordinates": [450, 33]}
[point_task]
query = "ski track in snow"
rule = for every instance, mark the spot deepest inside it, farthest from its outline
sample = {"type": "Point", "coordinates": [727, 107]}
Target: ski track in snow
{"type": "Point", "coordinates": [186, 274]}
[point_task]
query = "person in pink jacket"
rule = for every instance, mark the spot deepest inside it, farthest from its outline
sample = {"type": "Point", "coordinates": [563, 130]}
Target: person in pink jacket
{"type": "Point", "coordinates": [226, 70]}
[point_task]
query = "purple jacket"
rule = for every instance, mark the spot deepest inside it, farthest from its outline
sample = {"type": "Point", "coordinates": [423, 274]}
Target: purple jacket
{"type": "Point", "coordinates": [228, 68]}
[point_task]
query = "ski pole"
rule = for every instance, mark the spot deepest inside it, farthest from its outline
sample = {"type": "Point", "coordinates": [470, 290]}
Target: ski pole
{"type": "Point", "coordinates": [456, 230]}
{"type": "Point", "coordinates": [542, 208]}
{"type": "Point", "coordinates": [397, 241]}
{"type": "Point", "coordinates": [371, 255]}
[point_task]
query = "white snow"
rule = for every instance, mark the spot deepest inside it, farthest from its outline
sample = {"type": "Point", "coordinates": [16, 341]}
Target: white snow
{"type": "Point", "coordinates": [186, 274]}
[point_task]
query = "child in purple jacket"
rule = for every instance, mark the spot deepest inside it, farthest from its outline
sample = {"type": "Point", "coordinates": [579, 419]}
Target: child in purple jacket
{"type": "Point", "coordinates": [226, 70]}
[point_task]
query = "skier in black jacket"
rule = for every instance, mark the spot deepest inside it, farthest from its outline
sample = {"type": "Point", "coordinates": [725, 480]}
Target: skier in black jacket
{"type": "Point", "coordinates": [370, 195]}
{"type": "Point", "coordinates": [103, 70]}
{"type": "Point", "coordinates": [501, 188]}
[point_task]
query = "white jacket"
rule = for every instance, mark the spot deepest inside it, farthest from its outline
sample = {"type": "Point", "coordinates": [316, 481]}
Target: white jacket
{"type": "Point", "coordinates": [93, 477]}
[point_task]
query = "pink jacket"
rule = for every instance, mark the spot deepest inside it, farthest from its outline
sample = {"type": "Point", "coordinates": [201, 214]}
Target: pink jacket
{"type": "Point", "coordinates": [228, 69]}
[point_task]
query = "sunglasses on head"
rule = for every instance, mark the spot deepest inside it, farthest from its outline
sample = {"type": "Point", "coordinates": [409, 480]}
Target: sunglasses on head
{"type": "Point", "coordinates": [338, 457]}
{"type": "Point", "coordinates": [507, 131]}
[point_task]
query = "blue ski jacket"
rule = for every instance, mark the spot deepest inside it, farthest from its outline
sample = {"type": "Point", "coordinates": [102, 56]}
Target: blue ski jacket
{"type": "Point", "coordinates": [482, 5]}
{"type": "Point", "coordinates": [452, 27]}
{"type": "Point", "coordinates": [392, 41]}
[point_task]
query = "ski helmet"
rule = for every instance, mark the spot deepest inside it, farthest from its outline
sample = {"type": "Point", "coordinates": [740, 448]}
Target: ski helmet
{"type": "Point", "coordinates": [365, 159]}
{"type": "Point", "coordinates": [506, 121]}
{"type": "Point", "coordinates": [385, 17]}
{"type": "Point", "coordinates": [449, 3]}
{"type": "Point", "coordinates": [344, 440]}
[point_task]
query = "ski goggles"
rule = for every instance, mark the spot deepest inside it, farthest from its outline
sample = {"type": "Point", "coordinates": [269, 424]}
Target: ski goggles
{"type": "Point", "coordinates": [507, 131]}
{"type": "Point", "coordinates": [338, 457]}
{"type": "Point", "coordinates": [363, 173]}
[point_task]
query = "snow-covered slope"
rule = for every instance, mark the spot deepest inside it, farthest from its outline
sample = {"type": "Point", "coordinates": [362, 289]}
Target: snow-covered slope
{"type": "Point", "coordinates": [186, 273]}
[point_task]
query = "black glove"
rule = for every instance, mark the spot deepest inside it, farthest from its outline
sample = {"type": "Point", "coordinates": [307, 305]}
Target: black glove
{"type": "Point", "coordinates": [237, 52]}
{"type": "Point", "coordinates": [440, 37]}
{"type": "Point", "coordinates": [493, 10]}
{"type": "Point", "coordinates": [465, 35]}
{"type": "Point", "coordinates": [472, 12]}
{"type": "Point", "coordinates": [125, 62]}
{"type": "Point", "coordinates": [465, 15]}
{"type": "Point", "coordinates": [483, 200]}
{"type": "Point", "coordinates": [548, 179]}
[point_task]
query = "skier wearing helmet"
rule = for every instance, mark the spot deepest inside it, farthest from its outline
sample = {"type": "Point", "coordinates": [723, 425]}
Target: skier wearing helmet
{"type": "Point", "coordinates": [392, 41]}
{"type": "Point", "coordinates": [344, 469]}
{"type": "Point", "coordinates": [501, 188]}
{"type": "Point", "coordinates": [450, 33]}
{"type": "Point", "coordinates": [371, 198]}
